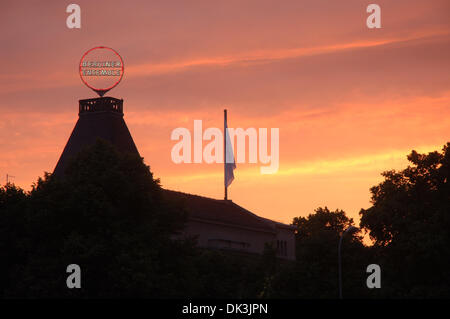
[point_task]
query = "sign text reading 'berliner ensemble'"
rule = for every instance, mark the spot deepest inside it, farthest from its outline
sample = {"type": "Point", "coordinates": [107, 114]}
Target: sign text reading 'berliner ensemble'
{"type": "Point", "coordinates": [101, 68]}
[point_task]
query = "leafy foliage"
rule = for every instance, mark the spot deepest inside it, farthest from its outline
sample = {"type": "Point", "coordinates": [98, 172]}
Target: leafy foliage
{"type": "Point", "coordinates": [317, 255]}
{"type": "Point", "coordinates": [105, 214]}
{"type": "Point", "coordinates": [409, 222]}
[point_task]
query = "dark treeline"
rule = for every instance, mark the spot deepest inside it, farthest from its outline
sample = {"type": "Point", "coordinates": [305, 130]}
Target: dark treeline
{"type": "Point", "coordinates": [108, 215]}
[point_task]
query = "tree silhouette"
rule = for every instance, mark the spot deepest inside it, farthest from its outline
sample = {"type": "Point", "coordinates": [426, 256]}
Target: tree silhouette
{"type": "Point", "coordinates": [317, 241]}
{"type": "Point", "coordinates": [409, 222]}
{"type": "Point", "coordinates": [105, 214]}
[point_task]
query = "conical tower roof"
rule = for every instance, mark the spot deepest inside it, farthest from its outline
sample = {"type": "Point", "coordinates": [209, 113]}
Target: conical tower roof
{"type": "Point", "coordinates": [97, 118]}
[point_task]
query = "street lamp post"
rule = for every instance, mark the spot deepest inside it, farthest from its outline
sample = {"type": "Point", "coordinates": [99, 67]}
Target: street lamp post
{"type": "Point", "coordinates": [351, 228]}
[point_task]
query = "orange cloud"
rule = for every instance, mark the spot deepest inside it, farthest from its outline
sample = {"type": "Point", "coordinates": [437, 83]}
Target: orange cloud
{"type": "Point", "coordinates": [265, 56]}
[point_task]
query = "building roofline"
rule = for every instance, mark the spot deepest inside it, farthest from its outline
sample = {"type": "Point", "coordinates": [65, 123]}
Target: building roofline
{"type": "Point", "coordinates": [268, 222]}
{"type": "Point", "coordinates": [210, 221]}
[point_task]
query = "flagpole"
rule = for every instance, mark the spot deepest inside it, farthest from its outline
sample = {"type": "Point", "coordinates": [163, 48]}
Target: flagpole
{"type": "Point", "coordinates": [225, 152]}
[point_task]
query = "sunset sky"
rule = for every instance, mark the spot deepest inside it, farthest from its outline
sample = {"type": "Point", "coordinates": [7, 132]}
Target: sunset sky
{"type": "Point", "coordinates": [350, 102]}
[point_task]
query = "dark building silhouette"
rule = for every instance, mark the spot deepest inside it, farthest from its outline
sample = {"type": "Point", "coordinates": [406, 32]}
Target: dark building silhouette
{"type": "Point", "coordinates": [97, 118]}
{"type": "Point", "coordinates": [218, 224]}
{"type": "Point", "coordinates": [222, 224]}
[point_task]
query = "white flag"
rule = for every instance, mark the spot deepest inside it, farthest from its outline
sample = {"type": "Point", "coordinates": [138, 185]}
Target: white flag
{"type": "Point", "coordinates": [230, 164]}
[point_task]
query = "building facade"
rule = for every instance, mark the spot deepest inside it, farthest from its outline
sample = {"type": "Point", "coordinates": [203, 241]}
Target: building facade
{"type": "Point", "coordinates": [222, 224]}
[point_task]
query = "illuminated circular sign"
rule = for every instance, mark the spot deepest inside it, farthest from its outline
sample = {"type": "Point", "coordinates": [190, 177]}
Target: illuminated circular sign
{"type": "Point", "coordinates": [101, 69]}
